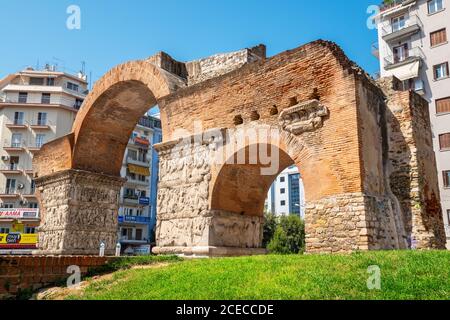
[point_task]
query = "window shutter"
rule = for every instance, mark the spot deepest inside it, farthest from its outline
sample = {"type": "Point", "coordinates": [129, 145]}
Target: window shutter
{"type": "Point", "coordinates": [443, 105]}
{"type": "Point", "coordinates": [438, 37]}
{"type": "Point", "coordinates": [444, 141]}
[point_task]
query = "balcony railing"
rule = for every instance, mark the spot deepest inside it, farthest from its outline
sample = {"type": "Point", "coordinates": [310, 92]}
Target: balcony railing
{"type": "Point", "coordinates": [9, 191]}
{"type": "Point", "coordinates": [54, 101]}
{"type": "Point", "coordinates": [410, 55]}
{"type": "Point", "coordinates": [386, 5]}
{"type": "Point", "coordinates": [410, 26]}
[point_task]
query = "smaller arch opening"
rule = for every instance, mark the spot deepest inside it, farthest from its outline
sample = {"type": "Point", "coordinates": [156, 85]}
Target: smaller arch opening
{"type": "Point", "coordinates": [238, 120]}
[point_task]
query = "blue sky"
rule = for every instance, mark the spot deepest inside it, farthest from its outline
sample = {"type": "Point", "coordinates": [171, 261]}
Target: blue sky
{"type": "Point", "coordinates": [116, 31]}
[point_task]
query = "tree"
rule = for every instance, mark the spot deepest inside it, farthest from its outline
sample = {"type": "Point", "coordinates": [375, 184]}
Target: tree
{"type": "Point", "coordinates": [289, 236]}
{"type": "Point", "coordinates": [270, 225]}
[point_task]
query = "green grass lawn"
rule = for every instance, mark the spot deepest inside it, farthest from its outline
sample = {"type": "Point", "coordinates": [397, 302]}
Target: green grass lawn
{"type": "Point", "coordinates": [404, 275]}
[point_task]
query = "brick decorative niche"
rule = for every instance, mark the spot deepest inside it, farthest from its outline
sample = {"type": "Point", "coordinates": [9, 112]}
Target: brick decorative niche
{"type": "Point", "coordinates": [19, 274]}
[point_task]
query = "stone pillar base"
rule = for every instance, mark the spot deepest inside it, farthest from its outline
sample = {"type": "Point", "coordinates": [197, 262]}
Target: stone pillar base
{"type": "Point", "coordinates": [80, 210]}
{"type": "Point", "coordinates": [209, 251]}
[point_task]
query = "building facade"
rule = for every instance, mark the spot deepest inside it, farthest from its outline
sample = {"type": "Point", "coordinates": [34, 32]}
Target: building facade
{"type": "Point", "coordinates": [287, 195]}
{"type": "Point", "coordinates": [138, 197]}
{"type": "Point", "coordinates": [36, 106]}
{"type": "Point", "coordinates": [413, 46]}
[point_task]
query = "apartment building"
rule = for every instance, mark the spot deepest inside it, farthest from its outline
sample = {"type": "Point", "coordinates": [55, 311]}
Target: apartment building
{"type": "Point", "coordinates": [287, 195]}
{"type": "Point", "coordinates": [137, 213]}
{"type": "Point", "coordinates": [413, 46]}
{"type": "Point", "coordinates": [36, 106]}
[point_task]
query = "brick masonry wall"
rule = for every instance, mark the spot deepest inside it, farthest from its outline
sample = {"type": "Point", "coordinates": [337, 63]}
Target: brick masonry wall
{"type": "Point", "coordinates": [25, 273]}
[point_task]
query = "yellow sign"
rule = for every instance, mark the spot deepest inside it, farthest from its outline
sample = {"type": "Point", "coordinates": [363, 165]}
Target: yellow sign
{"type": "Point", "coordinates": [18, 239]}
{"type": "Point", "coordinates": [139, 170]}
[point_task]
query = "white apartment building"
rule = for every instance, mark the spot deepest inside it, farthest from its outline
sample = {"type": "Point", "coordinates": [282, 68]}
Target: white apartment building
{"type": "Point", "coordinates": [35, 107]}
{"type": "Point", "coordinates": [413, 46]}
{"type": "Point", "coordinates": [287, 194]}
{"type": "Point", "coordinates": [136, 205]}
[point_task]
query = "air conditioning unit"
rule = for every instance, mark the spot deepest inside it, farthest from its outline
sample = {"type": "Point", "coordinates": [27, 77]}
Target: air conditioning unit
{"type": "Point", "coordinates": [21, 186]}
{"type": "Point", "coordinates": [5, 158]}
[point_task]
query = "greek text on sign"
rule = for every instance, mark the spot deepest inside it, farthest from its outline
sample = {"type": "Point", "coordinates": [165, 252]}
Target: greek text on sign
{"type": "Point", "coordinates": [19, 213]}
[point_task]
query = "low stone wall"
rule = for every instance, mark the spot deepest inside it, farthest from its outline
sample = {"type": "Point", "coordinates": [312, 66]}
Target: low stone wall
{"type": "Point", "coordinates": [19, 274]}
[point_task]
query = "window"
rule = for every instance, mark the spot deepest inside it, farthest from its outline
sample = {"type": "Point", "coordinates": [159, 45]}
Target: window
{"type": "Point", "coordinates": [30, 230]}
{"type": "Point", "coordinates": [33, 205]}
{"type": "Point", "coordinates": [435, 6]}
{"type": "Point", "coordinates": [440, 71]}
{"type": "Point", "coordinates": [446, 179]}
{"type": "Point", "coordinates": [283, 191]}
{"type": "Point", "coordinates": [443, 105]}
{"type": "Point", "coordinates": [138, 234]}
{"type": "Point", "coordinates": [42, 119]}
{"type": "Point", "coordinates": [132, 154]}
{"type": "Point", "coordinates": [7, 205]}
{"type": "Point", "coordinates": [444, 141]}
{"type": "Point", "coordinates": [10, 186]}
{"type": "Point", "coordinates": [283, 203]}
{"type": "Point", "coordinates": [78, 103]}
{"type": "Point", "coordinates": [13, 163]}
{"type": "Point", "coordinates": [448, 216]}
{"type": "Point", "coordinates": [45, 98]}
{"type": "Point", "coordinates": [438, 37]}
{"type": "Point", "coordinates": [401, 53]}
{"type": "Point", "coordinates": [282, 179]}
{"type": "Point", "coordinates": [72, 86]}
{"type": "Point", "coordinates": [16, 140]}
{"type": "Point", "coordinates": [33, 189]}
{"type": "Point", "coordinates": [40, 138]}
{"type": "Point", "coordinates": [23, 97]}
{"type": "Point", "coordinates": [18, 118]}
{"type": "Point", "coordinates": [36, 81]}
{"type": "Point", "coordinates": [50, 82]}
{"type": "Point", "coordinates": [4, 230]}
{"type": "Point", "coordinates": [398, 23]}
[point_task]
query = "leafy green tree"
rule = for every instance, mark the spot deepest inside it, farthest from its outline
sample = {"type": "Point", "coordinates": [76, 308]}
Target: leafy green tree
{"type": "Point", "coordinates": [289, 236]}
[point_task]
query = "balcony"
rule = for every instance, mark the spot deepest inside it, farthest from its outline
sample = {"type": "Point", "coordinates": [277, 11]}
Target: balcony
{"type": "Point", "coordinates": [395, 3]}
{"type": "Point", "coordinates": [14, 146]}
{"type": "Point", "coordinates": [133, 181]}
{"type": "Point", "coordinates": [139, 142]}
{"type": "Point", "coordinates": [134, 219]}
{"type": "Point", "coordinates": [419, 86]}
{"type": "Point", "coordinates": [54, 102]}
{"type": "Point", "coordinates": [409, 27]}
{"type": "Point", "coordinates": [35, 147]}
{"type": "Point", "coordinates": [11, 168]}
{"type": "Point", "coordinates": [412, 55]}
{"type": "Point", "coordinates": [131, 240]}
{"type": "Point", "coordinates": [17, 124]}
{"type": "Point", "coordinates": [40, 125]}
{"type": "Point", "coordinates": [9, 193]}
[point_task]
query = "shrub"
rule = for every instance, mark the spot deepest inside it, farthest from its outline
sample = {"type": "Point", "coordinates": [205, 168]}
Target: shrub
{"type": "Point", "coordinates": [289, 236]}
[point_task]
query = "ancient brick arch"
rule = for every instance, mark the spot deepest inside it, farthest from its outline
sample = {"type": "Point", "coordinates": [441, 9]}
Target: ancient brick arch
{"type": "Point", "coordinates": [328, 117]}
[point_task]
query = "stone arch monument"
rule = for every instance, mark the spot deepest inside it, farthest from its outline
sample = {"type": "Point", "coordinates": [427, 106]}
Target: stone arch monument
{"type": "Point", "coordinates": [231, 123]}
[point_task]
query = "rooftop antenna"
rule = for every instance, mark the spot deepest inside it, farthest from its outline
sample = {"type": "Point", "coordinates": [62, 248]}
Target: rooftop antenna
{"type": "Point", "coordinates": [83, 67]}
{"type": "Point", "coordinates": [62, 63]}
